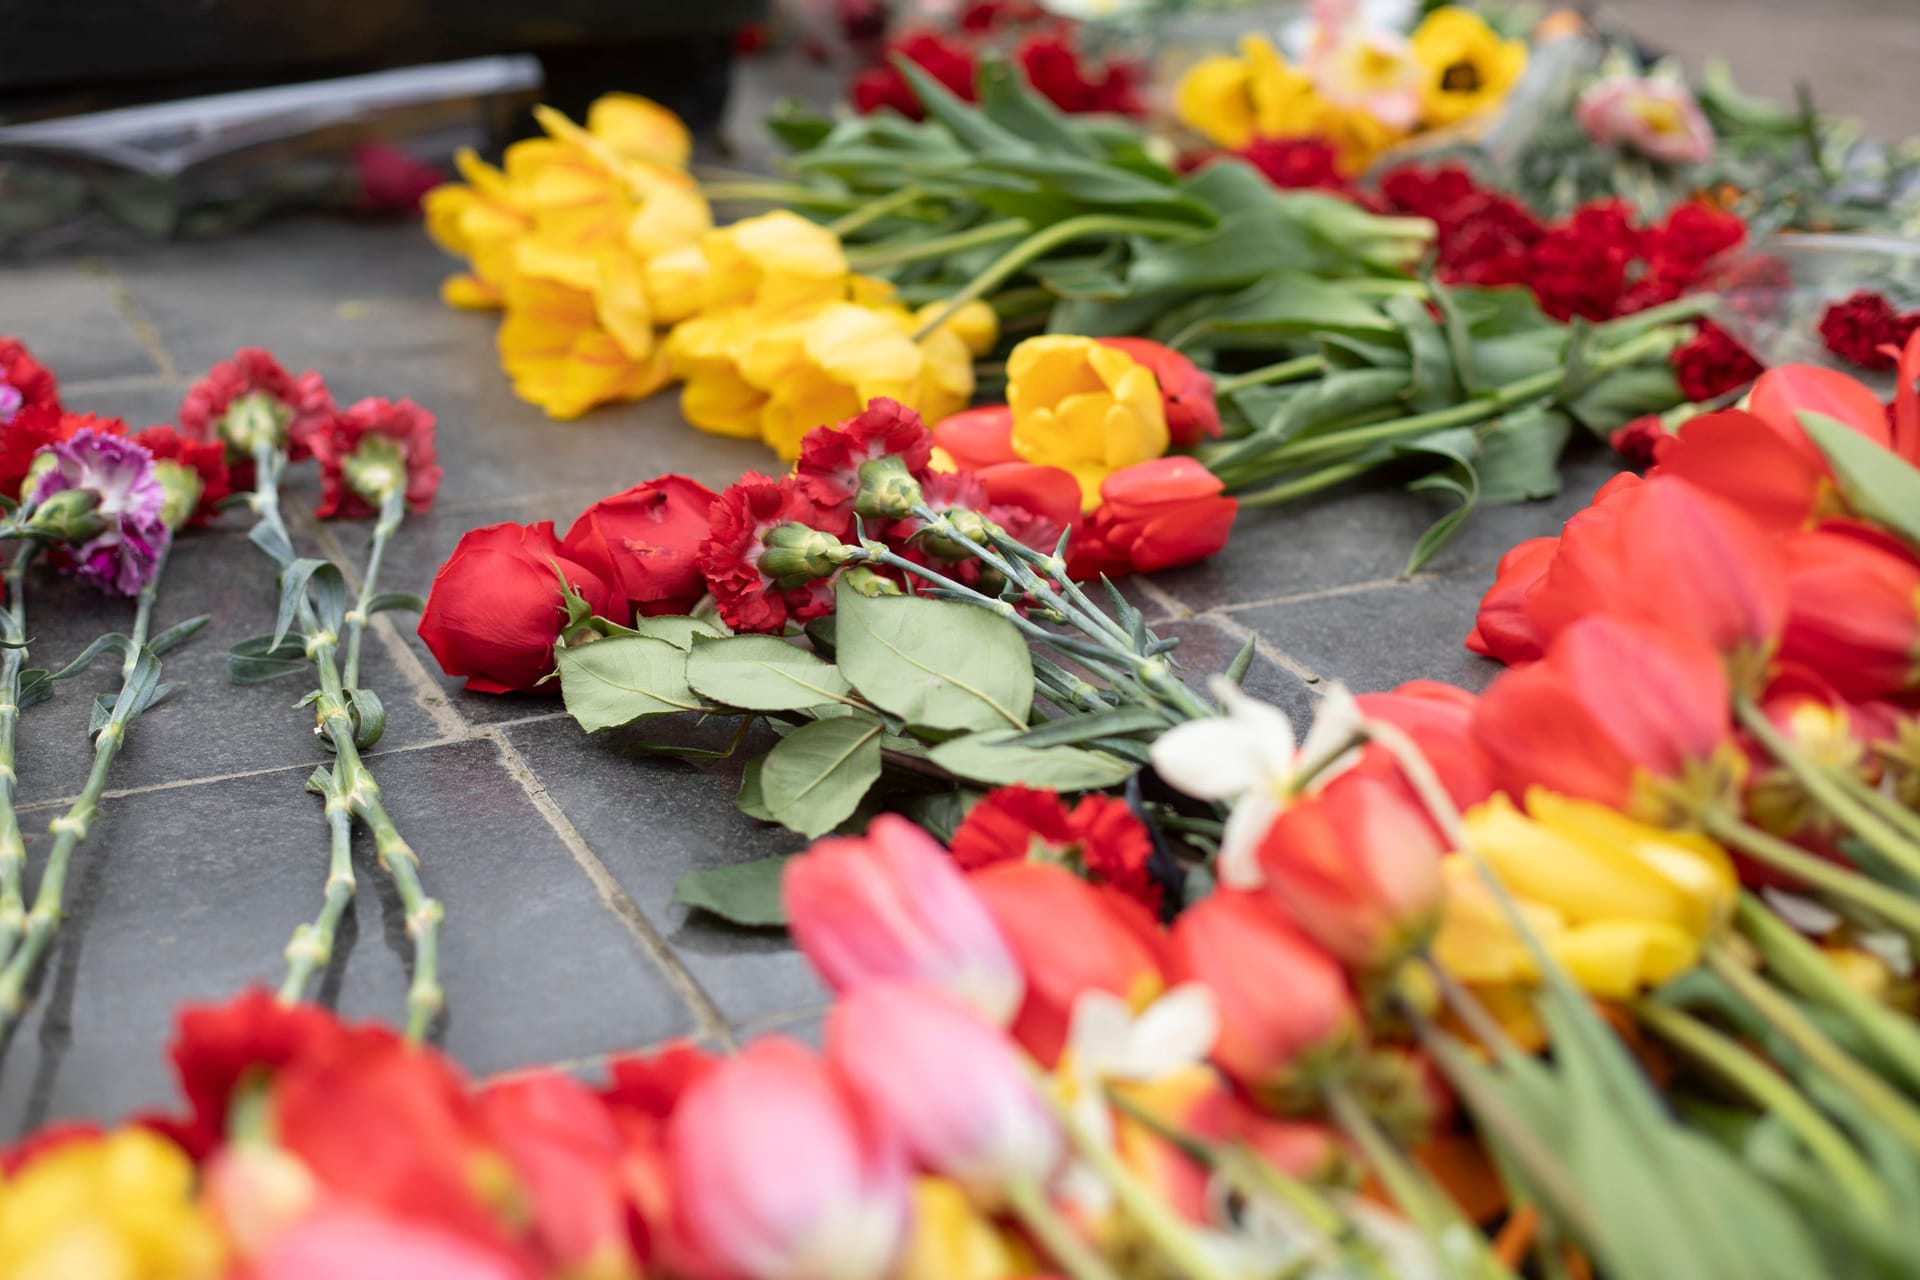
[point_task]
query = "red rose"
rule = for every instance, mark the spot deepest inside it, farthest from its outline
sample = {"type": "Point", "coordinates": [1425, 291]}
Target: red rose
{"type": "Point", "coordinates": [494, 610]}
{"type": "Point", "coordinates": [1156, 515]}
{"type": "Point", "coordinates": [205, 457]}
{"type": "Point", "coordinates": [1712, 364]}
{"type": "Point", "coordinates": [749, 599]}
{"type": "Point", "coordinates": [1192, 413]}
{"type": "Point", "coordinates": [646, 541]}
{"type": "Point", "coordinates": [24, 381]}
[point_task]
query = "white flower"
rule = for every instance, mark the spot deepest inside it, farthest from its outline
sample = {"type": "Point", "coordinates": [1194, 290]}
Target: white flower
{"type": "Point", "coordinates": [1248, 757]}
{"type": "Point", "coordinates": [1092, 10]}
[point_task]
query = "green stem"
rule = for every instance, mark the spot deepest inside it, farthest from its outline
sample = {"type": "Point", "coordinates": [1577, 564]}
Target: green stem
{"type": "Point", "coordinates": [1691, 307]}
{"type": "Point", "coordinates": [143, 613]}
{"type": "Point", "coordinates": [1325, 478]}
{"type": "Point", "coordinates": [1802, 967]}
{"type": "Point", "coordinates": [13, 848]}
{"type": "Point", "coordinates": [392, 509]}
{"type": "Point", "coordinates": [783, 193]}
{"type": "Point", "coordinates": [1874, 1094]}
{"type": "Point", "coordinates": [1896, 908]}
{"type": "Point", "coordinates": [1767, 1089]}
{"type": "Point", "coordinates": [1055, 1235]}
{"type": "Point", "coordinates": [899, 254]}
{"type": "Point", "coordinates": [1890, 810]}
{"type": "Point", "coordinates": [1045, 241]}
{"type": "Point", "coordinates": [1821, 785]}
{"type": "Point", "coordinates": [1268, 375]}
{"type": "Point", "coordinates": [874, 210]}
{"type": "Point", "coordinates": [311, 947]}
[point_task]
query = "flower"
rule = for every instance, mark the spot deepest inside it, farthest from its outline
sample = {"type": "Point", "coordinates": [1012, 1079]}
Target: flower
{"type": "Point", "coordinates": [24, 381]}
{"type": "Point", "coordinates": [1070, 937]}
{"type": "Point", "coordinates": [1438, 718]}
{"type": "Point", "coordinates": [1770, 470]}
{"type": "Point", "coordinates": [495, 610]}
{"type": "Point", "coordinates": [640, 129]}
{"type": "Point", "coordinates": [114, 1205]}
{"type": "Point", "coordinates": [1858, 327]}
{"type": "Point", "coordinates": [250, 398]}
{"type": "Point", "coordinates": [368, 1245]}
{"type": "Point", "coordinates": [1074, 82]}
{"type": "Point", "coordinates": [1099, 838]}
{"type": "Point", "coordinates": [216, 1048]}
{"type": "Point", "coordinates": [31, 431]}
{"type": "Point", "coordinates": [1154, 515]}
{"type": "Point", "coordinates": [1501, 629]}
{"type": "Point", "coordinates": [1622, 905]}
{"type": "Point", "coordinates": [775, 263]}
{"type": "Point", "coordinates": [1466, 66]}
{"type": "Point", "coordinates": [1363, 70]}
{"type": "Point", "coordinates": [732, 558]}
{"type": "Point", "coordinates": [1085, 407]}
{"type": "Point", "coordinates": [833, 459]}
{"type": "Point", "coordinates": [1186, 392]}
{"type": "Point", "coordinates": [567, 1153]}
{"type": "Point", "coordinates": [646, 541]}
{"type": "Point", "coordinates": [952, 1240]}
{"type": "Point", "coordinates": [480, 221]}
{"type": "Point", "coordinates": [949, 1083]}
{"type": "Point", "coordinates": [951, 63]}
{"type": "Point", "coordinates": [1233, 100]}
{"type": "Point", "coordinates": [1357, 867]}
{"type": "Point", "coordinates": [1853, 611]}
{"type": "Point", "coordinates": [121, 554]}
{"type": "Point", "coordinates": [1712, 363]}
{"type": "Point", "coordinates": [733, 1145]}
{"type": "Point", "coordinates": [890, 904]}
{"type": "Point", "coordinates": [391, 181]}
{"type": "Point", "coordinates": [1638, 442]}
{"type": "Point", "coordinates": [1296, 164]}
{"type": "Point", "coordinates": [193, 474]}
{"type": "Point", "coordinates": [372, 450]}
{"type": "Point", "coordinates": [1653, 115]}
{"type": "Point", "coordinates": [1286, 1012]}
{"type": "Point", "coordinates": [1247, 757]}
{"type": "Point", "coordinates": [569, 348]}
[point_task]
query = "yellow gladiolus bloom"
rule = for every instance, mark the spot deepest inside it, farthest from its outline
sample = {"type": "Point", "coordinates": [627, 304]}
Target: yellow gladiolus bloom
{"type": "Point", "coordinates": [1622, 905]}
{"type": "Point", "coordinates": [1233, 100]}
{"type": "Point", "coordinates": [1085, 407]}
{"type": "Point", "coordinates": [1467, 66]}
{"type": "Point", "coordinates": [640, 129]}
{"type": "Point", "coordinates": [119, 1207]}
{"type": "Point", "coordinates": [560, 352]}
{"type": "Point", "coordinates": [951, 1241]}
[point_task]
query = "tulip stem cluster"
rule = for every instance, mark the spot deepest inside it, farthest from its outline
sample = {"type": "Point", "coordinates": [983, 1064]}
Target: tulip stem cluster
{"type": "Point", "coordinates": [13, 849]}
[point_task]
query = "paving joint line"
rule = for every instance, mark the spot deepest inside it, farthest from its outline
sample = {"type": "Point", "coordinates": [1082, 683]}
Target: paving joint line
{"type": "Point", "coordinates": [1347, 589]}
{"type": "Point", "coordinates": [1176, 609]}
{"type": "Point", "coordinates": [1240, 631]}
{"type": "Point", "coordinates": [136, 320]}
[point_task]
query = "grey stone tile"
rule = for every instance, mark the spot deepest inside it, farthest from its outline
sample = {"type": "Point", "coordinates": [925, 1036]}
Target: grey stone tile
{"type": "Point", "coordinates": [67, 315]}
{"type": "Point", "coordinates": [1207, 647]}
{"type": "Point", "coordinates": [1364, 533]}
{"type": "Point", "coordinates": [650, 819]}
{"type": "Point", "coordinates": [189, 894]}
{"type": "Point", "coordinates": [1379, 637]}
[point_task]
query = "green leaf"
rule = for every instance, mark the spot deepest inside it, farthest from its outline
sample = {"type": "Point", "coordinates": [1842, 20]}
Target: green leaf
{"type": "Point", "coordinates": [1077, 728]}
{"type": "Point", "coordinates": [935, 662]}
{"type": "Point", "coordinates": [271, 540]}
{"type": "Point", "coordinates": [405, 601]}
{"type": "Point", "coordinates": [1625, 394]}
{"type": "Point", "coordinates": [1433, 384]}
{"type": "Point", "coordinates": [1009, 103]}
{"type": "Point", "coordinates": [369, 717]}
{"type": "Point", "coordinates": [746, 893]}
{"type": "Point", "coordinates": [1877, 483]}
{"type": "Point", "coordinates": [676, 631]}
{"type": "Point", "coordinates": [968, 124]}
{"type": "Point", "coordinates": [608, 683]}
{"type": "Point", "coordinates": [1281, 304]}
{"type": "Point", "coordinates": [763, 673]}
{"type": "Point", "coordinates": [1243, 661]}
{"type": "Point", "coordinates": [1246, 246]}
{"type": "Point", "coordinates": [993, 758]}
{"type": "Point", "coordinates": [749, 799]}
{"type": "Point", "coordinates": [113, 642]}
{"type": "Point", "coordinates": [1231, 186]}
{"type": "Point", "coordinates": [329, 595]}
{"type": "Point", "coordinates": [178, 634]}
{"type": "Point", "coordinates": [1457, 448]}
{"type": "Point", "coordinates": [258, 659]}
{"type": "Point", "coordinates": [813, 779]}
{"type": "Point", "coordinates": [36, 685]}
{"type": "Point", "coordinates": [1519, 457]}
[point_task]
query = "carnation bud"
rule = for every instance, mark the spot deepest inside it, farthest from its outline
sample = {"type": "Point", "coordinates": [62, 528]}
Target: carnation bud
{"type": "Point", "coordinates": [253, 420]}
{"type": "Point", "coordinates": [182, 486]}
{"type": "Point", "coordinates": [942, 537]}
{"type": "Point", "coordinates": [71, 515]}
{"type": "Point", "coordinates": [796, 555]}
{"type": "Point", "coordinates": [377, 468]}
{"type": "Point", "coordinates": [887, 489]}
{"type": "Point", "coordinates": [864, 581]}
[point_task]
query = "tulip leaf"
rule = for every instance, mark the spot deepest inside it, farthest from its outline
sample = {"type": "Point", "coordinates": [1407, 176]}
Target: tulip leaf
{"type": "Point", "coordinates": [938, 663]}
{"type": "Point", "coordinates": [763, 673]}
{"type": "Point", "coordinates": [814, 778]}
{"type": "Point", "coordinates": [995, 759]}
{"type": "Point", "coordinates": [1519, 456]}
{"type": "Point", "coordinates": [1458, 476]}
{"type": "Point", "coordinates": [1009, 103]}
{"type": "Point", "coordinates": [746, 893]}
{"type": "Point", "coordinates": [616, 681]}
{"type": "Point", "coordinates": [1877, 483]}
{"type": "Point", "coordinates": [259, 659]}
{"type": "Point", "coordinates": [1244, 247]}
{"type": "Point", "coordinates": [1617, 397]}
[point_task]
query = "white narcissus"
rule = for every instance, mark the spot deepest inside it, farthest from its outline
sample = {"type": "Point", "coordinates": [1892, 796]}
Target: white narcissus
{"type": "Point", "coordinates": [1248, 758]}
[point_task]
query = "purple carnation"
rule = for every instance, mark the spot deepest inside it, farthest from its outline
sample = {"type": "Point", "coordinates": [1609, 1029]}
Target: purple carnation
{"type": "Point", "coordinates": [123, 557]}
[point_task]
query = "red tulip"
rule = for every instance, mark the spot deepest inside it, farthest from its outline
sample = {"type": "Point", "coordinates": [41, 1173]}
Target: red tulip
{"type": "Point", "coordinates": [1439, 719]}
{"type": "Point", "coordinates": [778, 1174]}
{"type": "Point", "coordinates": [1070, 937]}
{"type": "Point", "coordinates": [1049, 492]}
{"type": "Point", "coordinates": [566, 1150]}
{"type": "Point", "coordinates": [1286, 1011]}
{"type": "Point", "coordinates": [1502, 631]}
{"type": "Point", "coordinates": [1782, 394]}
{"type": "Point", "coordinates": [980, 437]}
{"type": "Point", "coordinates": [1906, 402]}
{"type": "Point", "coordinates": [646, 542]}
{"type": "Point", "coordinates": [1357, 867]}
{"type": "Point", "coordinates": [891, 904]}
{"type": "Point", "coordinates": [1154, 515]}
{"type": "Point", "coordinates": [345, 1241]}
{"type": "Point", "coordinates": [951, 1085]}
{"type": "Point", "coordinates": [1193, 415]}
{"type": "Point", "coordinates": [1771, 471]}
{"type": "Point", "coordinates": [1614, 706]}
{"type": "Point", "coordinates": [1855, 608]}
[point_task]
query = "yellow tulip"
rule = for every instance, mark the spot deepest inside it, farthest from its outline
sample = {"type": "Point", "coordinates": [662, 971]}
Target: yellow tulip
{"type": "Point", "coordinates": [1232, 100]}
{"type": "Point", "coordinates": [480, 221]}
{"type": "Point", "coordinates": [640, 129]}
{"type": "Point", "coordinates": [559, 352]}
{"type": "Point", "coordinates": [706, 353]}
{"type": "Point", "coordinates": [777, 262]}
{"type": "Point", "coordinates": [1085, 407]}
{"type": "Point", "coordinates": [951, 1241]}
{"type": "Point", "coordinates": [1467, 66]}
{"type": "Point", "coordinates": [119, 1207]}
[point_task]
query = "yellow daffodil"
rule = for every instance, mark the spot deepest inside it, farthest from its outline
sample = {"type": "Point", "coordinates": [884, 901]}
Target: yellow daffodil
{"type": "Point", "coordinates": [1466, 66]}
{"type": "Point", "coordinates": [1232, 100]}
{"type": "Point", "coordinates": [1622, 905]}
{"type": "Point", "coordinates": [640, 129]}
{"type": "Point", "coordinates": [951, 1241]}
{"type": "Point", "coordinates": [1085, 407]}
{"type": "Point", "coordinates": [480, 220]}
{"type": "Point", "coordinates": [119, 1207]}
{"type": "Point", "coordinates": [568, 348]}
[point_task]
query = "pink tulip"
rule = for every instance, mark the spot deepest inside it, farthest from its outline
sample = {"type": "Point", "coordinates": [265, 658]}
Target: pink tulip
{"type": "Point", "coordinates": [566, 1151]}
{"type": "Point", "coordinates": [369, 1246]}
{"type": "Point", "coordinates": [951, 1085]}
{"type": "Point", "coordinates": [777, 1174]}
{"type": "Point", "coordinates": [1656, 117]}
{"type": "Point", "coordinates": [891, 904]}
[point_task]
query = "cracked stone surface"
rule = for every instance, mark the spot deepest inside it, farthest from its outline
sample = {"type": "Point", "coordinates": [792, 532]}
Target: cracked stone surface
{"type": "Point", "coordinates": [554, 853]}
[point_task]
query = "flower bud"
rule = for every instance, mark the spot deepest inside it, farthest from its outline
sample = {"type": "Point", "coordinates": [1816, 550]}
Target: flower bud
{"type": "Point", "coordinates": [71, 515]}
{"type": "Point", "coordinates": [254, 419]}
{"type": "Point", "coordinates": [887, 489]}
{"type": "Point", "coordinates": [796, 555]}
{"type": "Point", "coordinates": [182, 486]}
{"type": "Point", "coordinates": [376, 468]}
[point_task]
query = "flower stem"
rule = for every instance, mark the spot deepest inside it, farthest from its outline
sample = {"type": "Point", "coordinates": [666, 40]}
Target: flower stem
{"type": "Point", "coordinates": [392, 510]}
{"type": "Point", "coordinates": [782, 193]}
{"type": "Point", "coordinates": [1325, 478]}
{"type": "Point", "coordinates": [1880, 1100]}
{"type": "Point", "coordinates": [912, 250]}
{"type": "Point", "coordinates": [311, 947]}
{"type": "Point", "coordinates": [1045, 241]}
{"type": "Point", "coordinates": [1895, 907]}
{"type": "Point", "coordinates": [874, 210]}
{"type": "Point", "coordinates": [1767, 1089]}
{"type": "Point", "coordinates": [13, 848]}
{"type": "Point", "coordinates": [1056, 1236]}
{"type": "Point", "coordinates": [143, 613]}
{"type": "Point", "coordinates": [1268, 375]}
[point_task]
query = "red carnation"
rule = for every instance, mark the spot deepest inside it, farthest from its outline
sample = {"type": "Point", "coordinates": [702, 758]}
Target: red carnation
{"type": "Point", "coordinates": [828, 472]}
{"type": "Point", "coordinates": [206, 458]}
{"type": "Point", "coordinates": [1485, 239]}
{"type": "Point", "coordinates": [1428, 193]}
{"type": "Point", "coordinates": [217, 1047]}
{"type": "Point", "coordinates": [391, 181]}
{"type": "Point", "coordinates": [1639, 440]}
{"type": "Point", "coordinates": [947, 61]}
{"type": "Point", "coordinates": [1712, 364]}
{"type": "Point", "coordinates": [1580, 271]}
{"type": "Point", "coordinates": [1693, 233]}
{"type": "Point", "coordinates": [24, 381]}
{"type": "Point", "coordinates": [305, 399]}
{"type": "Point", "coordinates": [982, 16]}
{"type": "Point", "coordinates": [1058, 72]}
{"type": "Point", "coordinates": [1295, 163]}
{"type": "Point", "coordinates": [1099, 838]}
{"type": "Point", "coordinates": [646, 541]}
{"type": "Point", "coordinates": [370, 448]}
{"type": "Point", "coordinates": [1857, 328]}
{"type": "Point", "coordinates": [749, 599]}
